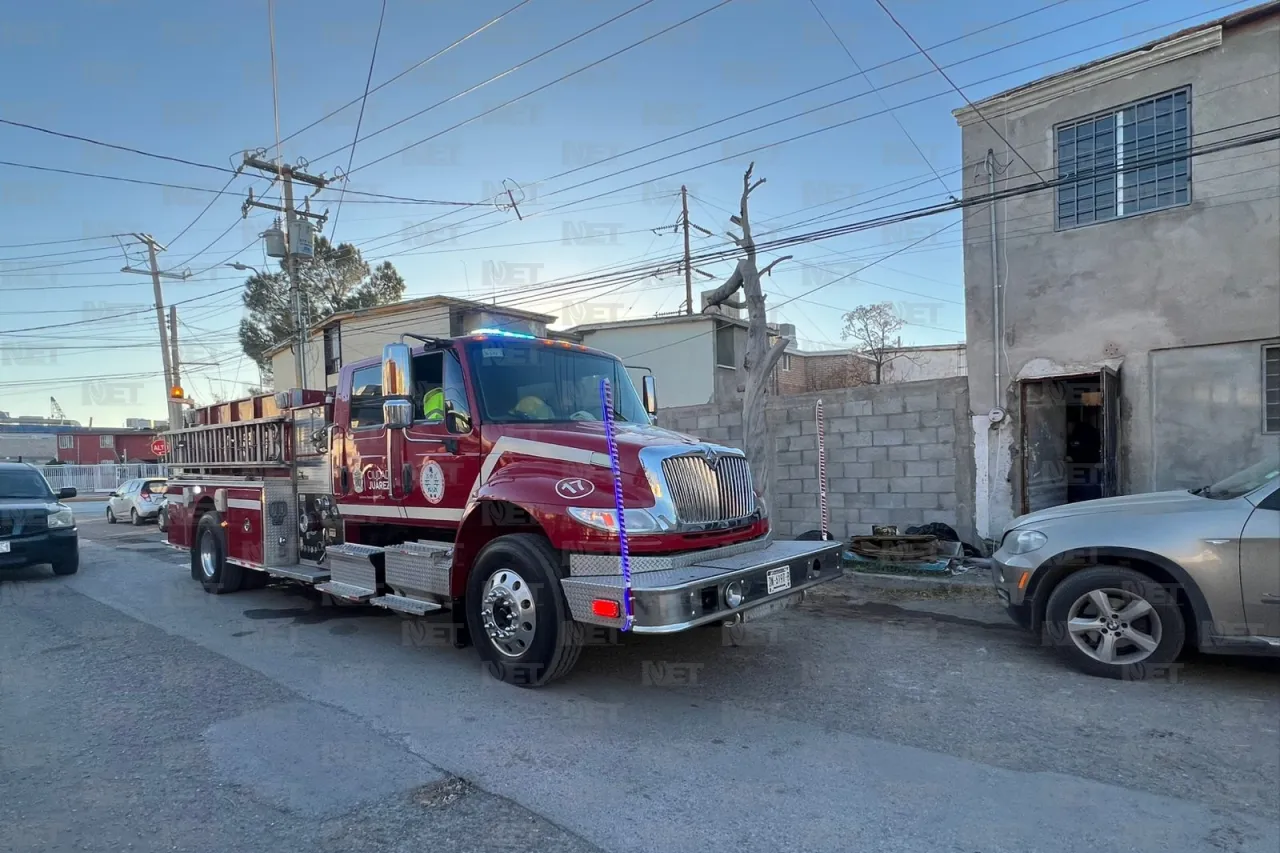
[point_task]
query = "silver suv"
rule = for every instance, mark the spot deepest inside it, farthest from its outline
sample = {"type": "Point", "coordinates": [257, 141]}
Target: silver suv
{"type": "Point", "coordinates": [1121, 586]}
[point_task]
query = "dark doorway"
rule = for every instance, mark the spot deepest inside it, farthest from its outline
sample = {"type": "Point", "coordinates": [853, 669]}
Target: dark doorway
{"type": "Point", "coordinates": [1069, 439]}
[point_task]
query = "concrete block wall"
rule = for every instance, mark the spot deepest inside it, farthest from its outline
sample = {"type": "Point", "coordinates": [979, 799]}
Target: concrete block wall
{"type": "Point", "coordinates": [896, 454]}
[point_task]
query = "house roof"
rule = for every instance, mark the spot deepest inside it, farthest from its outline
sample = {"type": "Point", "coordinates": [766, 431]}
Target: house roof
{"type": "Point", "coordinates": [1172, 46]}
{"type": "Point", "coordinates": [670, 319]}
{"type": "Point", "coordinates": [413, 305]}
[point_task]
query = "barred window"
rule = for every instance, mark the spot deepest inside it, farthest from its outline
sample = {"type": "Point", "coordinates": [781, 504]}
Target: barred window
{"type": "Point", "coordinates": [1271, 388]}
{"type": "Point", "coordinates": [1130, 160]}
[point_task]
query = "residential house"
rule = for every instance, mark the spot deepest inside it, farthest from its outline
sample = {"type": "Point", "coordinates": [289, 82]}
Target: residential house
{"type": "Point", "coordinates": [1124, 323]}
{"type": "Point", "coordinates": [694, 358]}
{"type": "Point", "coordinates": [355, 335]}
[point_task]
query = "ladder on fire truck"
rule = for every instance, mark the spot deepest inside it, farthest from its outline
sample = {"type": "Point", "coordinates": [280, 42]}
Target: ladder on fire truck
{"type": "Point", "coordinates": [261, 443]}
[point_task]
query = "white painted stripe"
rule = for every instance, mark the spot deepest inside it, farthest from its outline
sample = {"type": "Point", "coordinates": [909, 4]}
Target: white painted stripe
{"type": "Point", "coordinates": [241, 503]}
{"type": "Point", "coordinates": [401, 512]}
{"type": "Point", "coordinates": [539, 449]}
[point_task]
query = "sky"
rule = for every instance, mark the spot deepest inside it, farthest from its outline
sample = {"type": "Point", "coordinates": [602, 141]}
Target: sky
{"type": "Point", "coordinates": [194, 82]}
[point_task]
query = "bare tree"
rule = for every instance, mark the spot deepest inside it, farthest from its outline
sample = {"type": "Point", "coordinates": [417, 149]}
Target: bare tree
{"type": "Point", "coordinates": [761, 355]}
{"type": "Point", "coordinates": [874, 329]}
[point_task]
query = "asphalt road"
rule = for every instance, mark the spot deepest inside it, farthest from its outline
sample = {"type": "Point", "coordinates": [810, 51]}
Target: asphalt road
{"type": "Point", "coordinates": [140, 713]}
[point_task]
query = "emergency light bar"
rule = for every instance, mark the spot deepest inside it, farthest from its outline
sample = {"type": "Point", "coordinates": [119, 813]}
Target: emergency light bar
{"type": "Point", "coordinates": [504, 334]}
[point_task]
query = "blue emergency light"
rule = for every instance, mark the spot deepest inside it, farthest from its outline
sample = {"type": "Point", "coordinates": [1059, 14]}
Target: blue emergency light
{"type": "Point", "coordinates": [504, 334]}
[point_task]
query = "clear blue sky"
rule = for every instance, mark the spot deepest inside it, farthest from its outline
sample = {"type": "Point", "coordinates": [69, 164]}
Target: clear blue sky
{"type": "Point", "coordinates": [194, 81]}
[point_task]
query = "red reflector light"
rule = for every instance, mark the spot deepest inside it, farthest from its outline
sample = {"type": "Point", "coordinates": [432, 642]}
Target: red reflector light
{"type": "Point", "coordinates": [607, 609]}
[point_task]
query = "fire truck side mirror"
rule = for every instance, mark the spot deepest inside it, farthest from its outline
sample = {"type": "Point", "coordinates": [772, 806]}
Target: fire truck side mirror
{"type": "Point", "coordinates": [397, 371]}
{"type": "Point", "coordinates": [649, 387]}
{"type": "Point", "coordinates": [397, 414]}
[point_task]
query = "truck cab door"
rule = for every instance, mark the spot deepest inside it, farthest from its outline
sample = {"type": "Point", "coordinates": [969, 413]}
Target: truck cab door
{"type": "Point", "coordinates": [363, 485]}
{"type": "Point", "coordinates": [1260, 567]}
{"type": "Point", "coordinates": [438, 456]}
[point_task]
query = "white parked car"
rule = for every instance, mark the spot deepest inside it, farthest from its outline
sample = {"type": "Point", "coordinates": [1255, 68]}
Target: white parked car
{"type": "Point", "coordinates": [137, 500]}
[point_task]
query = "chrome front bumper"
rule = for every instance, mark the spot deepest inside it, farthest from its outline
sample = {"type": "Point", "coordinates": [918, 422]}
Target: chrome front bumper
{"type": "Point", "coordinates": [684, 596]}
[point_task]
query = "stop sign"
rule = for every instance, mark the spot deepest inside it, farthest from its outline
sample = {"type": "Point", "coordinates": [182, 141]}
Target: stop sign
{"type": "Point", "coordinates": [159, 447]}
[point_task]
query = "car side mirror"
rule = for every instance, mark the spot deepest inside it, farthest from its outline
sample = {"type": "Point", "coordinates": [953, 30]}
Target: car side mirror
{"type": "Point", "coordinates": [649, 386]}
{"type": "Point", "coordinates": [66, 492]}
{"type": "Point", "coordinates": [397, 414]}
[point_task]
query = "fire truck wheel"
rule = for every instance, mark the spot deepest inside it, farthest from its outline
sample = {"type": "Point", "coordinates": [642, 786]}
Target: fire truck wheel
{"type": "Point", "coordinates": [209, 557]}
{"type": "Point", "coordinates": [517, 614]}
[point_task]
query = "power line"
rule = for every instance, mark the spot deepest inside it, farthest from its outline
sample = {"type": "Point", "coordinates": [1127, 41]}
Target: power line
{"type": "Point", "coordinates": [892, 114]}
{"type": "Point", "coordinates": [559, 79]}
{"type": "Point", "coordinates": [826, 106]}
{"type": "Point", "coordinates": [411, 68]}
{"type": "Point", "coordinates": [484, 83]}
{"type": "Point", "coordinates": [960, 92]}
{"type": "Point", "coordinates": [360, 119]}
{"type": "Point", "coordinates": [789, 139]}
{"type": "Point", "coordinates": [60, 242]}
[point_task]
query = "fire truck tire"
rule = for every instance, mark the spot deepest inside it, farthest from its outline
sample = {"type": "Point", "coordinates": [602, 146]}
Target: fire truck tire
{"type": "Point", "coordinates": [209, 557]}
{"type": "Point", "coordinates": [513, 577]}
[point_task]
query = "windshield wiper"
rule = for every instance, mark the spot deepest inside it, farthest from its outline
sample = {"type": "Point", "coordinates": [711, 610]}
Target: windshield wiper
{"type": "Point", "coordinates": [1201, 491]}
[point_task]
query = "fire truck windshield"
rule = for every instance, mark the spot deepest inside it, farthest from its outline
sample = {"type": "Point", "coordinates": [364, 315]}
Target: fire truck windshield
{"type": "Point", "coordinates": [519, 381]}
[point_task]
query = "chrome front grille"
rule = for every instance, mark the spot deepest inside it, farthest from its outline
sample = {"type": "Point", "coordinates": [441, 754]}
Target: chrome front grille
{"type": "Point", "coordinates": [704, 494]}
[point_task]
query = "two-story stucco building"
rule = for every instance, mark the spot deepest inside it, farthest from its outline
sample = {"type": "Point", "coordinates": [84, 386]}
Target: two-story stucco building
{"type": "Point", "coordinates": [1123, 289]}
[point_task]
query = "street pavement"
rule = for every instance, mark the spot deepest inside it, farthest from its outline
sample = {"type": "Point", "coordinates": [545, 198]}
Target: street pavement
{"type": "Point", "coordinates": [140, 713]}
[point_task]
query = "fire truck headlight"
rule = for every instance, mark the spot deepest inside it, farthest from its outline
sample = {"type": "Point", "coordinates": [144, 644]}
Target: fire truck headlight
{"type": "Point", "coordinates": [62, 517]}
{"type": "Point", "coordinates": [638, 520]}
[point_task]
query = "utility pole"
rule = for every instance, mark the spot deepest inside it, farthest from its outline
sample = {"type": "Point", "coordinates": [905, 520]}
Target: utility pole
{"type": "Point", "coordinates": [688, 266]}
{"type": "Point", "coordinates": [288, 174]}
{"type": "Point", "coordinates": [166, 354]}
{"type": "Point", "coordinates": [173, 348]}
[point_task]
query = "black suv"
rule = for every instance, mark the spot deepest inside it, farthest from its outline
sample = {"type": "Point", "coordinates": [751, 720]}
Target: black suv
{"type": "Point", "coordinates": [34, 527]}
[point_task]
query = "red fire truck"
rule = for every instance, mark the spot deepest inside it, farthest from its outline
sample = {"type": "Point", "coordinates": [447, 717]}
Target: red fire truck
{"type": "Point", "coordinates": [472, 474]}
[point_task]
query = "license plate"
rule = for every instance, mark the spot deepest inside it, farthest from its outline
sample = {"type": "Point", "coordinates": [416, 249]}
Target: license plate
{"type": "Point", "coordinates": [4, 547]}
{"type": "Point", "coordinates": [778, 579]}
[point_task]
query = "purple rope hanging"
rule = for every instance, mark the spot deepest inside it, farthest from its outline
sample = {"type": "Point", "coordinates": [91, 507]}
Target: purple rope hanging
{"type": "Point", "coordinates": [606, 406]}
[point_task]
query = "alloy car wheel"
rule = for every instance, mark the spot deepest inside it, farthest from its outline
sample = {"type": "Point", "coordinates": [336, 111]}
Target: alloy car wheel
{"type": "Point", "coordinates": [1114, 626]}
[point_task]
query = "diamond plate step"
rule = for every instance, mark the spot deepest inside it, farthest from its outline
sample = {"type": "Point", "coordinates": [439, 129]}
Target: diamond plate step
{"type": "Point", "coordinates": [351, 549]}
{"type": "Point", "coordinates": [415, 606]}
{"type": "Point", "coordinates": [298, 573]}
{"type": "Point", "coordinates": [348, 591]}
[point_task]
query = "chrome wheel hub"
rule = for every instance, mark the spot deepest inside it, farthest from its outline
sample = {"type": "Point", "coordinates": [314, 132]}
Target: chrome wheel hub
{"type": "Point", "coordinates": [508, 613]}
{"type": "Point", "coordinates": [208, 556]}
{"type": "Point", "coordinates": [1114, 626]}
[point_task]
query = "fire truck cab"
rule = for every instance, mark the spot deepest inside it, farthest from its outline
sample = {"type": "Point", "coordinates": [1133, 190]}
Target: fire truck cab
{"type": "Point", "coordinates": [473, 475]}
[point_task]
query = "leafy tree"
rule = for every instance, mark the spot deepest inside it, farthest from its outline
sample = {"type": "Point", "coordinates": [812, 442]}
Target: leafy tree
{"type": "Point", "coordinates": [874, 330]}
{"type": "Point", "coordinates": [337, 279]}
